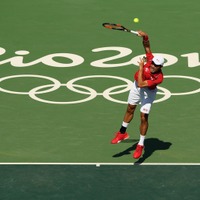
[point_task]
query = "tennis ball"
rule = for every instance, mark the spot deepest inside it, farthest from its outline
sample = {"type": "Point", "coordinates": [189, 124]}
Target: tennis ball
{"type": "Point", "coordinates": [136, 20]}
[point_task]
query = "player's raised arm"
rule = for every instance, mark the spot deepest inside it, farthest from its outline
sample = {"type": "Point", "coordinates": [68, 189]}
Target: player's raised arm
{"type": "Point", "coordinates": [146, 42]}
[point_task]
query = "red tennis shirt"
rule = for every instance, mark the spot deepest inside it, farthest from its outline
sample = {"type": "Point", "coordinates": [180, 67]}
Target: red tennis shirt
{"type": "Point", "coordinates": [152, 79]}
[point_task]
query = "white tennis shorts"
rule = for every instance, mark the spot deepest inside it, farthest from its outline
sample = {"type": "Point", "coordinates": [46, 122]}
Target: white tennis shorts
{"type": "Point", "coordinates": [144, 96]}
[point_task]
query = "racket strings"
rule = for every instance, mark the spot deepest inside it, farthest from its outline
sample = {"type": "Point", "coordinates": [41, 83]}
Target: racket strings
{"type": "Point", "coordinates": [114, 26]}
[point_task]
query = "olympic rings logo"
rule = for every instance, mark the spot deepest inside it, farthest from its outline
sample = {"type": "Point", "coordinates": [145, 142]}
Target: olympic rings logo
{"type": "Point", "coordinates": [89, 92]}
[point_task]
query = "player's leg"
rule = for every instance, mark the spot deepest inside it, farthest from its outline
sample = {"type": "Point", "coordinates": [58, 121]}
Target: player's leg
{"type": "Point", "coordinates": [128, 117]}
{"type": "Point", "coordinates": [143, 125]}
{"type": "Point", "coordinates": [143, 131]}
{"type": "Point", "coordinates": [147, 98]}
{"type": "Point", "coordinates": [122, 134]}
{"type": "Point", "coordinates": [133, 100]}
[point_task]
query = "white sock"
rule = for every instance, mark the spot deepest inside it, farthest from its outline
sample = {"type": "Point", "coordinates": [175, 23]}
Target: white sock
{"type": "Point", "coordinates": [141, 142]}
{"type": "Point", "coordinates": [125, 124]}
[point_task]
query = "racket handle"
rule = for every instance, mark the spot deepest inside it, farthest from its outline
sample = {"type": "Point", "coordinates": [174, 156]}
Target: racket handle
{"type": "Point", "coordinates": [134, 32]}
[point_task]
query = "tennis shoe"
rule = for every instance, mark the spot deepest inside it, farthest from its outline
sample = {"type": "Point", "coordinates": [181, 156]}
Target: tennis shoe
{"type": "Point", "coordinates": [138, 151]}
{"type": "Point", "coordinates": [119, 137]}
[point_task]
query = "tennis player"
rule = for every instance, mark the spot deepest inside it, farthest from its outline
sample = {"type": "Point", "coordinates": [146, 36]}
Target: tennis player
{"type": "Point", "coordinates": [143, 91]}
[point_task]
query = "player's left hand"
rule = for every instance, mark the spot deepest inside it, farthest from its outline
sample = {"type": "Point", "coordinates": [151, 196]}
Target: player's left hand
{"type": "Point", "coordinates": [141, 63]}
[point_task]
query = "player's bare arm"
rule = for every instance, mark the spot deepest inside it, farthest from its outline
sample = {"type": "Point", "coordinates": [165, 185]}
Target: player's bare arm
{"type": "Point", "coordinates": [146, 42]}
{"type": "Point", "coordinates": [141, 83]}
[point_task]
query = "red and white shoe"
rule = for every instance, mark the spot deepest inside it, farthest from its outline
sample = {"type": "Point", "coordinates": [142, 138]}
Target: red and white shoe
{"type": "Point", "coordinates": [119, 137]}
{"type": "Point", "coordinates": [138, 151]}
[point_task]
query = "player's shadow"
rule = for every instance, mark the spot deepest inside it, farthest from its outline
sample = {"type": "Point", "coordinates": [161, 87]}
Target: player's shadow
{"type": "Point", "coordinates": [151, 145]}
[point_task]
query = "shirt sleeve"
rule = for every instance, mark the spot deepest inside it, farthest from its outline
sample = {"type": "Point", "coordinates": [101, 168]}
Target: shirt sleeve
{"type": "Point", "coordinates": [149, 57]}
{"type": "Point", "coordinates": [155, 82]}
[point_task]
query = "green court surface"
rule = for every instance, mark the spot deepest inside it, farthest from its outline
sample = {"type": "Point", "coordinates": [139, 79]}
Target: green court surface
{"type": "Point", "coordinates": [64, 78]}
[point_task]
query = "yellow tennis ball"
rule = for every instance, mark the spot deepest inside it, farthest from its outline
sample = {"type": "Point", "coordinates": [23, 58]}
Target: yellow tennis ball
{"type": "Point", "coordinates": [136, 20]}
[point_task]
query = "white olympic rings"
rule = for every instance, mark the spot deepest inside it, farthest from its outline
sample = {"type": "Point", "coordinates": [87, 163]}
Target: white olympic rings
{"type": "Point", "coordinates": [187, 77]}
{"type": "Point", "coordinates": [114, 90]}
{"type": "Point", "coordinates": [56, 83]}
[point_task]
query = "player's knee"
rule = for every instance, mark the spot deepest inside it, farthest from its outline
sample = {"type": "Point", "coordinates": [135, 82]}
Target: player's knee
{"type": "Point", "coordinates": [131, 109]}
{"type": "Point", "coordinates": [144, 117]}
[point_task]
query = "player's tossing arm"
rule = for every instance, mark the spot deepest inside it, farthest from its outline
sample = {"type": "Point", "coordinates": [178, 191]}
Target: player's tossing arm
{"type": "Point", "coordinates": [141, 83]}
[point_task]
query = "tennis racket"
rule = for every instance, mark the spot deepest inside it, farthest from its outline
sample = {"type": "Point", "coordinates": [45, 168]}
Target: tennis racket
{"type": "Point", "coordinates": [119, 27]}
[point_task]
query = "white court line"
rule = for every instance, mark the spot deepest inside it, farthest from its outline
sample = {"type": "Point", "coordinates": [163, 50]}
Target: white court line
{"type": "Point", "coordinates": [97, 163]}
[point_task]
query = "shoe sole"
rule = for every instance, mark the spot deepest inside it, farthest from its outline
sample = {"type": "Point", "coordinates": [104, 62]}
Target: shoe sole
{"type": "Point", "coordinates": [137, 157]}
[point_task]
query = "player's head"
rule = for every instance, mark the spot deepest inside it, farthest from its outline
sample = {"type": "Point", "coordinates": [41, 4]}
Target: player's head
{"type": "Point", "coordinates": [158, 60]}
{"type": "Point", "coordinates": [156, 64]}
